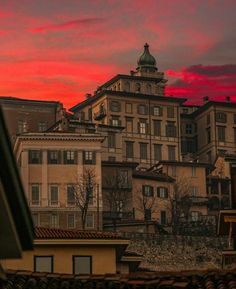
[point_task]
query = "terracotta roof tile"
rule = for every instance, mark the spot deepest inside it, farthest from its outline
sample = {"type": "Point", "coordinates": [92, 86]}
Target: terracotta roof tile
{"type": "Point", "coordinates": [52, 233]}
{"type": "Point", "coordinates": [197, 279]}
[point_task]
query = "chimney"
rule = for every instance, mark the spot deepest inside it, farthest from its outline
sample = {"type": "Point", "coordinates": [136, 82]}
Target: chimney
{"type": "Point", "coordinates": [88, 95]}
{"type": "Point", "coordinates": [227, 99]}
{"type": "Point", "coordinates": [205, 99]}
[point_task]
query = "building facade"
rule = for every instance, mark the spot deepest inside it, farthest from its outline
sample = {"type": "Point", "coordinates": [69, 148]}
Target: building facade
{"type": "Point", "coordinates": [57, 169]}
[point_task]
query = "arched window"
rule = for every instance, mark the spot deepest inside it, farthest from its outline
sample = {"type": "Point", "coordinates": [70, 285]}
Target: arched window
{"type": "Point", "coordinates": [127, 86]}
{"type": "Point", "coordinates": [118, 86]}
{"type": "Point", "coordinates": [137, 87]}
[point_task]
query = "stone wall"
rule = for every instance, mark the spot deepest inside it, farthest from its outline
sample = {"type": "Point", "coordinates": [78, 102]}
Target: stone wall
{"type": "Point", "coordinates": [175, 253]}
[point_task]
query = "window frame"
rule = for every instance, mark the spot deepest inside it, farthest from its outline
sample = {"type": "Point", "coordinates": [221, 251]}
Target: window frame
{"type": "Point", "coordinates": [44, 256]}
{"type": "Point", "coordinates": [33, 203]}
{"type": "Point", "coordinates": [82, 256]}
{"type": "Point", "coordinates": [32, 160]}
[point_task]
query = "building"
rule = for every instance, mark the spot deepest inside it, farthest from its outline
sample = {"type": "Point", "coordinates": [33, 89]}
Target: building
{"type": "Point", "coordinates": [56, 170]}
{"type": "Point", "coordinates": [75, 252]}
{"type": "Point", "coordinates": [24, 115]}
{"type": "Point", "coordinates": [137, 103]}
{"type": "Point", "coordinates": [15, 220]}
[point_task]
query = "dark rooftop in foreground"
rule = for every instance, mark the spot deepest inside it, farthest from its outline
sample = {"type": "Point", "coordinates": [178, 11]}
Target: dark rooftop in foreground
{"type": "Point", "coordinates": [195, 279]}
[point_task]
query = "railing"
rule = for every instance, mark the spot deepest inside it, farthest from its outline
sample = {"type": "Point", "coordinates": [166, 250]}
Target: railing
{"type": "Point", "coordinates": [109, 215]}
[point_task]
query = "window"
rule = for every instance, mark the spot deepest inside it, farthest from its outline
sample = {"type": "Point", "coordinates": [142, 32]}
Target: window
{"type": "Point", "coordinates": [90, 114]}
{"type": "Point", "coordinates": [221, 133]}
{"type": "Point", "coordinates": [221, 117]}
{"type": "Point", "coordinates": [143, 151]}
{"type": "Point", "coordinates": [157, 111]}
{"type": "Point", "coordinates": [142, 126]}
{"type": "Point", "coordinates": [137, 87]}
{"type": "Point", "coordinates": [170, 112]}
{"type": "Point", "coordinates": [22, 126]}
{"type": "Point", "coordinates": [147, 191]}
{"type": "Point", "coordinates": [194, 191]}
{"type": "Point", "coordinates": [82, 264]}
{"type": "Point", "coordinates": [90, 221]}
{"type": "Point", "coordinates": [70, 195]}
{"type": "Point", "coordinates": [147, 214]}
{"type": "Point", "coordinates": [115, 106]}
{"type": "Point", "coordinates": [163, 217]}
{"type": "Point", "coordinates": [42, 126]}
{"type": "Point", "coordinates": [82, 116]}
{"type": "Point", "coordinates": [162, 192]}
{"type": "Point", "coordinates": [43, 264]}
{"type": "Point", "coordinates": [194, 216]}
{"type": "Point", "coordinates": [128, 107]}
{"type": "Point", "coordinates": [70, 157]}
{"type": "Point", "coordinates": [157, 127]}
{"type": "Point", "coordinates": [89, 157]}
{"type": "Point", "coordinates": [170, 129]}
{"type": "Point", "coordinates": [54, 195]}
{"type": "Point", "coordinates": [54, 221]}
{"type": "Point", "coordinates": [35, 218]}
{"type": "Point", "coordinates": [173, 171]}
{"type": "Point", "coordinates": [142, 109]}
{"type": "Point", "coordinates": [71, 221]}
{"type": "Point", "coordinates": [35, 195]}
{"type": "Point", "coordinates": [111, 140]}
{"type": "Point", "coordinates": [123, 178]}
{"type": "Point", "coordinates": [194, 171]}
{"type": "Point", "coordinates": [115, 121]}
{"type": "Point", "coordinates": [129, 124]}
{"type": "Point", "coordinates": [157, 152]}
{"type": "Point", "coordinates": [129, 149]}
{"type": "Point", "coordinates": [127, 86]}
{"type": "Point", "coordinates": [53, 157]}
{"type": "Point", "coordinates": [188, 128]}
{"type": "Point", "coordinates": [35, 157]}
{"type": "Point", "coordinates": [208, 133]}
{"type": "Point", "coordinates": [171, 153]}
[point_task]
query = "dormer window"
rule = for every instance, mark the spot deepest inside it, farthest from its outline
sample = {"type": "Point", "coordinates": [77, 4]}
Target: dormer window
{"type": "Point", "coordinates": [149, 89]}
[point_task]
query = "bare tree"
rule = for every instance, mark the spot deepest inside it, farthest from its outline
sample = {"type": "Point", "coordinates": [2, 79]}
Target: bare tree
{"type": "Point", "coordinates": [180, 203]}
{"type": "Point", "coordinates": [116, 193]}
{"type": "Point", "coordinates": [83, 192]}
{"type": "Point", "coordinates": [146, 204]}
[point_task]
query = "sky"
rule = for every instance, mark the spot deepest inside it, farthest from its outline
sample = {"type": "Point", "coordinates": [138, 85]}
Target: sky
{"type": "Point", "coordinates": [62, 49]}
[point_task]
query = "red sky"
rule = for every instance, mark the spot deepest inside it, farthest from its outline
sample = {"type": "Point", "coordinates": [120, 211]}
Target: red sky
{"type": "Point", "coordinates": [60, 50]}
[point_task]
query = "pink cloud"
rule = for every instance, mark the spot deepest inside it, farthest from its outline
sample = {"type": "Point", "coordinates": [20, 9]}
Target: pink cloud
{"type": "Point", "coordinates": [68, 25]}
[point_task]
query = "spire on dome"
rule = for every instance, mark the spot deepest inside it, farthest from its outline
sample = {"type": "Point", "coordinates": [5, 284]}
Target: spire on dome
{"type": "Point", "coordinates": [146, 60]}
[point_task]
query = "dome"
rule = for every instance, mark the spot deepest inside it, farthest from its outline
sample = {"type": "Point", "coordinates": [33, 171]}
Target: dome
{"type": "Point", "coordinates": [146, 59]}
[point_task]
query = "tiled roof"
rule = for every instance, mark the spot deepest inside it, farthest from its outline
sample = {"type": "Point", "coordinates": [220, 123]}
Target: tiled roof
{"type": "Point", "coordinates": [52, 233]}
{"type": "Point", "coordinates": [198, 279]}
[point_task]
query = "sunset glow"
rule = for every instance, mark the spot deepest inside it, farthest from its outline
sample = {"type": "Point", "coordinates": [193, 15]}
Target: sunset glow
{"type": "Point", "coordinates": [60, 50]}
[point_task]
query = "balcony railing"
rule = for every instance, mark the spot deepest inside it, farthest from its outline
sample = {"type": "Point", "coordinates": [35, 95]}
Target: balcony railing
{"type": "Point", "coordinates": [108, 215]}
{"type": "Point", "coordinates": [200, 201]}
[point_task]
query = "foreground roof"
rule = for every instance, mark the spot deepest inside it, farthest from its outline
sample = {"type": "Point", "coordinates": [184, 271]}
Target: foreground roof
{"type": "Point", "coordinates": [197, 279]}
{"type": "Point", "coordinates": [16, 100]}
{"type": "Point", "coordinates": [53, 233]}
{"type": "Point", "coordinates": [151, 175]}
{"type": "Point", "coordinates": [11, 189]}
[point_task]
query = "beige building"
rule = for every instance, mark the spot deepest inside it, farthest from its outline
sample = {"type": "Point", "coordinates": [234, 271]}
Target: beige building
{"type": "Point", "coordinates": [212, 130]}
{"type": "Point", "coordinates": [24, 115]}
{"type": "Point", "coordinates": [75, 252]}
{"type": "Point", "coordinates": [137, 103]}
{"type": "Point", "coordinates": [56, 169]}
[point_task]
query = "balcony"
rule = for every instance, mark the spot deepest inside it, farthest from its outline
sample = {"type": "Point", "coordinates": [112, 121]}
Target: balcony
{"type": "Point", "coordinates": [199, 201]}
{"type": "Point", "coordinates": [109, 215]}
{"type": "Point", "coordinates": [100, 115]}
